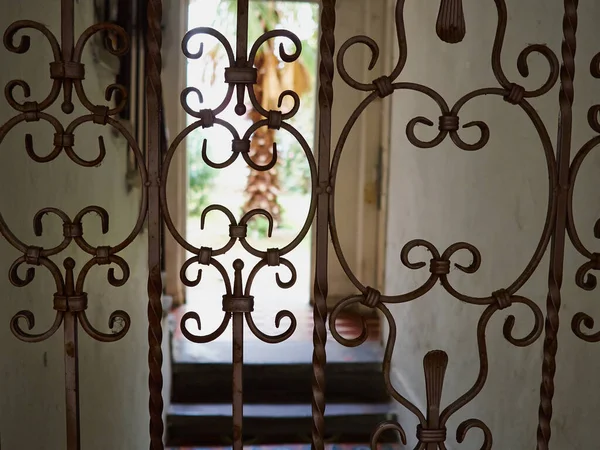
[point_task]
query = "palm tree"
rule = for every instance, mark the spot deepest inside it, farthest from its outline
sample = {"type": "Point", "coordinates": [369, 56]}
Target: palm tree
{"type": "Point", "coordinates": [274, 77]}
{"type": "Point", "coordinates": [263, 187]}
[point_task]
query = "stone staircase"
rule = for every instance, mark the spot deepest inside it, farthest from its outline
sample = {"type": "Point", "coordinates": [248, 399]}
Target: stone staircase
{"type": "Point", "coordinates": [277, 392]}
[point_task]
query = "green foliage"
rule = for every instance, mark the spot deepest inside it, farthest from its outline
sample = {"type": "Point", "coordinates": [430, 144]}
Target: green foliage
{"type": "Point", "coordinates": [201, 177]}
{"type": "Point", "coordinates": [294, 170]}
{"type": "Point", "coordinates": [293, 166]}
{"type": "Point", "coordinates": [258, 227]}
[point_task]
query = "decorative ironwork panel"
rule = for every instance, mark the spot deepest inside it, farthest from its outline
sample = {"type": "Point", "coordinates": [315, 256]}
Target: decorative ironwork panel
{"type": "Point", "coordinates": [238, 300]}
{"type": "Point", "coordinates": [153, 164]}
{"type": "Point", "coordinates": [451, 28]}
{"type": "Point", "coordinates": [67, 73]}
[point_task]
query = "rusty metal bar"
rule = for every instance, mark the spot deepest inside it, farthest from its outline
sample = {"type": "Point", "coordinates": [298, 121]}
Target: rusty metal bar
{"type": "Point", "coordinates": [326, 74]}
{"type": "Point", "coordinates": [238, 374]}
{"type": "Point", "coordinates": [241, 53]}
{"type": "Point", "coordinates": [236, 304]}
{"type": "Point", "coordinates": [557, 249]}
{"type": "Point", "coordinates": [155, 310]}
{"type": "Point", "coordinates": [71, 362]}
{"type": "Point", "coordinates": [67, 46]}
{"type": "Point", "coordinates": [67, 30]}
{"type": "Point", "coordinates": [72, 381]}
{"type": "Point", "coordinates": [71, 344]}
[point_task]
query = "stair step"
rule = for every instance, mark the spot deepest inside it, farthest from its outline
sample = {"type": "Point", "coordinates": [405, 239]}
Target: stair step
{"type": "Point", "coordinates": [211, 425]}
{"type": "Point", "coordinates": [276, 373]}
{"type": "Point", "coordinates": [332, 446]}
{"type": "Point", "coordinates": [360, 446]}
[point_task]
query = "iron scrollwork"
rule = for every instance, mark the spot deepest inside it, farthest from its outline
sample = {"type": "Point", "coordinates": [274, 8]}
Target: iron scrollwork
{"type": "Point", "coordinates": [238, 301]}
{"type": "Point", "coordinates": [451, 27]}
{"type": "Point", "coordinates": [70, 299]}
{"type": "Point", "coordinates": [583, 277]}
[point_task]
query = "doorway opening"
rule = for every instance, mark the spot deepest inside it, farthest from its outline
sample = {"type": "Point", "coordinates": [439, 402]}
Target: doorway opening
{"type": "Point", "coordinates": [283, 191]}
{"type": "Point", "coordinates": [276, 378]}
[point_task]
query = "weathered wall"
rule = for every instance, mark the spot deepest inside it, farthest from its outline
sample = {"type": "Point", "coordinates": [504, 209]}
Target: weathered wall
{"type": "Point", "coordinates": [495, 199]}
{"type": "Point", "coordinates": [356, 204]}
{"type": "Point", "coordinates": [113, 376]}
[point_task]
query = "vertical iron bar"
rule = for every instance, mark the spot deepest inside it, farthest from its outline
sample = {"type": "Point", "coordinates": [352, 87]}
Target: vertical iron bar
{"type": "Point", "coordinates": [238, 389]}
{"type": "Point", "coordinates": [555, 279]}
{"type": "Point", "coordinates": [71, 349]}
{"type": "Point", "coordinates": [241, 56]}
{"type": "Point", "coordinates": [238, 318]}
{"type": "Point", "coordinates": [242, 33]}
{"type": "Point", "coordinates": [238, 354]}
{"type": "Point", "coordinates": [326, 72]}
{"type": "Point", "coordinates": [72, 381]}
{"type": "Point", "coordinates": [67, 28]}
{"type": "Point", "coordinates": [139, 77]}
{"type": "Point", "coordinates": [154, 114]}
{"type": "Point", "coordinates": [67, 32]}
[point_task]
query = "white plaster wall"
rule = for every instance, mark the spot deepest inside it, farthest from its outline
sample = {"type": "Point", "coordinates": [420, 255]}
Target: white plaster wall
{"type": "Point", "coordinates": [113, 376]}
{"type": "Point", "coordinates": [356, 183]}
{"type": "Point", "coordinates": [495, 199]}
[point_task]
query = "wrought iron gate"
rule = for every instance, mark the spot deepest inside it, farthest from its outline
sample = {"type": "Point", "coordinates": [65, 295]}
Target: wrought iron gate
{"type": "Point", "coordinates": [71, 300]}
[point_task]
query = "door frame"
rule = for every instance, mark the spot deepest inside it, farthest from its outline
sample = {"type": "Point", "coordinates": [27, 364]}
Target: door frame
{"type": "Point", "coordinates": [174, 77]}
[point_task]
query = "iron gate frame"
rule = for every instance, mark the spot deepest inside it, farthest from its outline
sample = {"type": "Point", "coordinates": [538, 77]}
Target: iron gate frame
{"type": "Point", "coordinates": [70, 299]}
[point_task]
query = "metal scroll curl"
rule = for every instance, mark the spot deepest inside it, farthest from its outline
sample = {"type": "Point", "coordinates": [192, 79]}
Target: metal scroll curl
{"type": "Point", "coordinates": [192, 315]}
{"type": "Point", "coordinates": [431, 432]}
{"type": "Point", "coordinates": [432, 428]}
{"type": "Point", "coordinates": [238, 301]}
{"type": "Point", "coordinates": [238, 76]}
{"type": "Point", "coordinates": [584, 276]}
{"type": "Point", "coordinates": [30, 319]}
{"type": "Point", "coordinates": [69, 286]}
{"type": "Point", "coordinates": [70, 301]}
{"type": "Point", "coordinates": [22, 47]}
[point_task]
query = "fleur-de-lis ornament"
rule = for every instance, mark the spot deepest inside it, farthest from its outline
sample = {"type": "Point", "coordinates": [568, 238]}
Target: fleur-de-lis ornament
{"type": "Point", "coordinates": [451, 26]}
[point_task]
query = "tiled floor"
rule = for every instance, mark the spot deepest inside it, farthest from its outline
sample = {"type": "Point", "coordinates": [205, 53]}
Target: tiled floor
{"type": "Point", "coordinates": [297, 349]}
{"type": "Point", "coordinates": [348, 325]}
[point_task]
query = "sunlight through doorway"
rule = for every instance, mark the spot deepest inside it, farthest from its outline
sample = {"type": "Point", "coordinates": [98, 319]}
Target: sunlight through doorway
{"type": "Point", "coordinates": [285, 190]}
